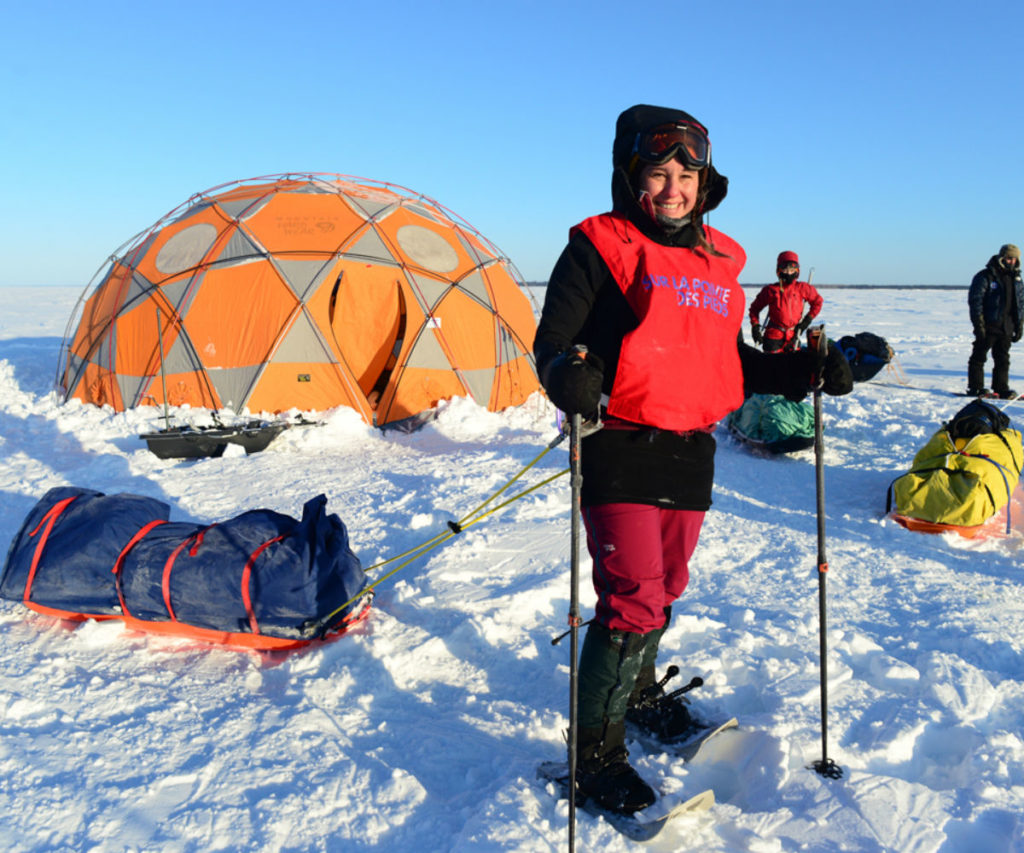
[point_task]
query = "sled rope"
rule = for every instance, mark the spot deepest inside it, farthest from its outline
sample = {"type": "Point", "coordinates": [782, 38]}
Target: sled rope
{"type": "Point", "coordinates": [456, 527]}
{"type": "Point", "coordinates": [894, 367]}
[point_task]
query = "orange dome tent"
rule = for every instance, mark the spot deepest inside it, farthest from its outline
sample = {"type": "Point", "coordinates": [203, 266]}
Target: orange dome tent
{"type": "Point", "coordinates": [304, 292]}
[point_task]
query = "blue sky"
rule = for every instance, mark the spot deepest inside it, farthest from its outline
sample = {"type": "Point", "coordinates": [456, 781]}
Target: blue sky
{"type": "Point", "coordinates": [882, 141]}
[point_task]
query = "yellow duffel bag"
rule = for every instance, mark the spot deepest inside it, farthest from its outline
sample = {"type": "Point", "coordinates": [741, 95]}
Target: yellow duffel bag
{"type": "Point", "coordinates": [964, 475]}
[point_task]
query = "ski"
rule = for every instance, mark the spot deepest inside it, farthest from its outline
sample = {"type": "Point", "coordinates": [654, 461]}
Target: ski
{"type": "Point", "coordinates": [641, 826]}
{"type": "Point", "coordinates": [986, 395]}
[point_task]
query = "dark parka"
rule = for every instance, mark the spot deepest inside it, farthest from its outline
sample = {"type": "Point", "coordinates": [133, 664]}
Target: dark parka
{"type": "Point", "coordinates": [996, 300]}
{"type": "Point", "coordinates": [584, 305]}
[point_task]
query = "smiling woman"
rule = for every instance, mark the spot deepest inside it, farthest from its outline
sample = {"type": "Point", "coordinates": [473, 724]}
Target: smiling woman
{"type": "Point", "coordinates": [651, 295]}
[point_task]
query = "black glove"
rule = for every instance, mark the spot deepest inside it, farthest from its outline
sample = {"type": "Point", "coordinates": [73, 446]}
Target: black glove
{"type": "Point", "coordinates": [801, 327]}
{"type": "Point", "coordinates": [1017, 334]}
{"type": "Point", "coordinates": [836, 372]}
{"type": "Point", "coordinates": [808, 364]}
{"type": "Point", "coordinates": [755, 333]}
{"type": "Point", "coordinates": [979, 329]}
{"type": "Point", "coordinates": [573, 381]}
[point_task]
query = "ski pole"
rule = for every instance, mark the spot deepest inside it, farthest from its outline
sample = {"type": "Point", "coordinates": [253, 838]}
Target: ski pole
{"type": "Point", "coordinates": [817, 343]}
{"type": "Point", "coordinates": [576, 482]}
{"type": "Point", "coordinates": [576, 433]}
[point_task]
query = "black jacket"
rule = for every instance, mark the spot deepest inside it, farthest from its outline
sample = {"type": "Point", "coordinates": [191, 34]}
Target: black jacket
{"type": "Point", "coordinates": [997, 298]}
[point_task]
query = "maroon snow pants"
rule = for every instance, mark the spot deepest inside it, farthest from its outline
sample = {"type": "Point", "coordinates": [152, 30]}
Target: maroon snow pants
{"type": "Point", "coordinates": [641, 561]}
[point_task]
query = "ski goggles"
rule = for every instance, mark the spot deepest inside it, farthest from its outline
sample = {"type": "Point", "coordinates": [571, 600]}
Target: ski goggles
{"type": "Point", "coordinates": [686, 140]}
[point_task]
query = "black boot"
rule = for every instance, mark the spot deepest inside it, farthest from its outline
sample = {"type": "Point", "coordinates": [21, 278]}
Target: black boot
{"type": "Point", "coordinates": [609, 662]}
{"type": "Point", "coordinates": [603, 772]}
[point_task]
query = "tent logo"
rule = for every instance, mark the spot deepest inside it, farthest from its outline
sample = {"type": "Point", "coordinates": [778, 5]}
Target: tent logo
{"type": "Point", "coordinates": [304, 377]}
{"type": "Point", "coordinates": [297, 225]}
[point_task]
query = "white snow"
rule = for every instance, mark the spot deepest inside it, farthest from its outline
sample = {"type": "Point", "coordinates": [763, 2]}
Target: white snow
{"type": "Point", "coordinates": [422, 728]}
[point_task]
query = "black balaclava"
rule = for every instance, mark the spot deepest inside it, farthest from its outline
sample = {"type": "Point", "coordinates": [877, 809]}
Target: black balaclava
{"type": "Point", "coordinates": [631, 122]}
{"type": "Point", "coordinates": [783, 259]}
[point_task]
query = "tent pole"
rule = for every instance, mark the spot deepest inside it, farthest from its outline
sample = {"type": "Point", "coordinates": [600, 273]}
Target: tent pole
{"type": "Point", "coordinates": [163, 373]}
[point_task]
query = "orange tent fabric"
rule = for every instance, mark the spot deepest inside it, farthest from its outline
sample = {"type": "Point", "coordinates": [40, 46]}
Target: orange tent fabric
{"type": "Point", "coordinates": [304, 292]}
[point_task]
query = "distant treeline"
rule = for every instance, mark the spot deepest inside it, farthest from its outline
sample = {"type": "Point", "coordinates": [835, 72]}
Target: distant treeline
{"type": "Point", "coordinates": [838, 286]}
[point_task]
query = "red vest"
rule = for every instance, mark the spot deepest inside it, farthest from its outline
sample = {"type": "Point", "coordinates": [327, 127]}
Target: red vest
{"type": "Point", "coordinates": [680, 368]}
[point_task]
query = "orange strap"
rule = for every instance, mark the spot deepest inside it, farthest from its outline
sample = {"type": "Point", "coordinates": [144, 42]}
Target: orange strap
{"type": "Point", "coordinates": [49, 519]}
{"type": "Point", "coordinates": [165, 585]}
{"type": "Point", "coordinates": [119, 562]}
{"type": "Point", "coordinates": [246, 576]}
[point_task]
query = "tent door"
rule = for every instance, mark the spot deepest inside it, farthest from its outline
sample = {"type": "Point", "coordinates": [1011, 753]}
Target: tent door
{"type": "Point", "coordinates": [396, 342]}
{"type": "Point", "coordinates": [368, 320]}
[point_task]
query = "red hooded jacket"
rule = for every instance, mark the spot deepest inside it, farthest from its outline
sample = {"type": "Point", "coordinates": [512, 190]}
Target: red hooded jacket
{"type": "Point", "coordinates": [785, 307]}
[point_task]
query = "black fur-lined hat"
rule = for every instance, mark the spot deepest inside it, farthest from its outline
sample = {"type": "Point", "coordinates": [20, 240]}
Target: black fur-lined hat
{"type": "Point", "coordinates": [641, 118]}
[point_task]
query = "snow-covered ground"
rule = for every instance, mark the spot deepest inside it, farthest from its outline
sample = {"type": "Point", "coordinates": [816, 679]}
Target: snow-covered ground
{"type": "Point", "coordinates": [422, 728]}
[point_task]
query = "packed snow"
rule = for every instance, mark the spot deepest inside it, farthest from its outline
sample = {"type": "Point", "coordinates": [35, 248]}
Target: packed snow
{"type": "Point", "coordinates": [423, 727]}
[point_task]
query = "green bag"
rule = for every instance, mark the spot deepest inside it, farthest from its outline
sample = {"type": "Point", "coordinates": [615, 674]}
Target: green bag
{"type": "Point", "coordinates": [773, 423]}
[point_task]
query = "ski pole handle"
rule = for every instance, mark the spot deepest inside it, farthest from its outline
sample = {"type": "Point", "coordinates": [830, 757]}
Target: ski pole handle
{"type": "Point", "coordinates": [817, 343]}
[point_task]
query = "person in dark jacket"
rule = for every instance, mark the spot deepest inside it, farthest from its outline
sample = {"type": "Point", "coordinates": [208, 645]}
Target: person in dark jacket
{"type": "Point", "coordinates": [785, 303]}
{"type": "Point", "coordinates": [996, 302]}
{"type": "Point", "coordinates": [651, 293]}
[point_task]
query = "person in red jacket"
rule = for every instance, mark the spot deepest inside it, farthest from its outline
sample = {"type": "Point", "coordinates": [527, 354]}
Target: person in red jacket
{"type": "Point", "coordinates": [785, 303]}
{"type": "Point", "coordinates": [652, 293]}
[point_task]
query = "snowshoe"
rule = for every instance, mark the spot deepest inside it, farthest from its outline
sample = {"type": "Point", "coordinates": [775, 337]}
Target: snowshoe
{"type": "Point", "coordinates": [641, 826]}
{"type": "Point", "coordinates": [664, 716]}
